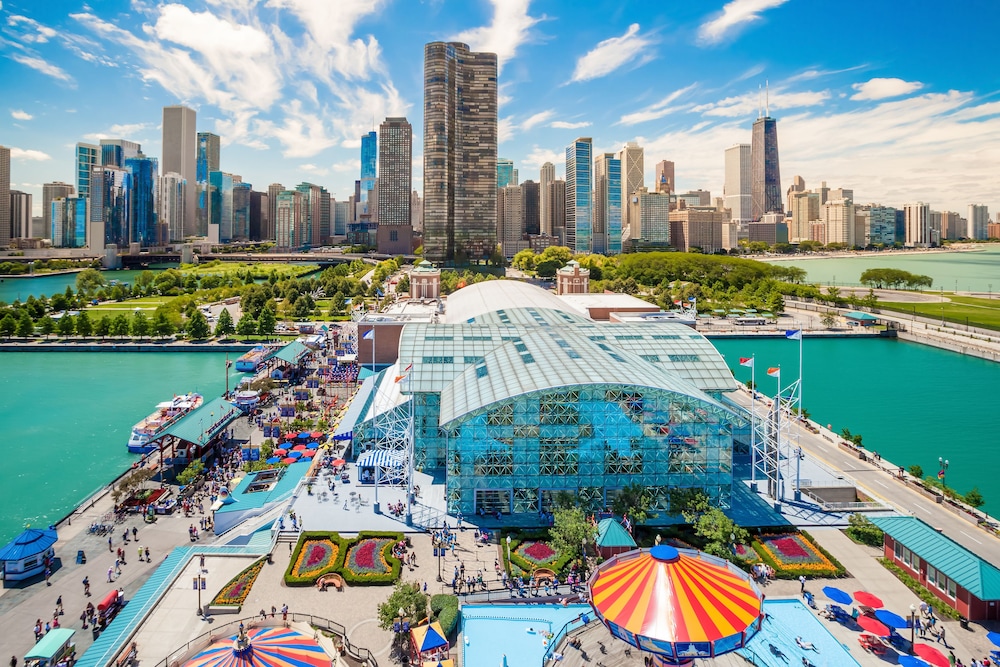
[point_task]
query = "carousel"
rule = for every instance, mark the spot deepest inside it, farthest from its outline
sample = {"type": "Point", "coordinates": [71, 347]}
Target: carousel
{"type": "Point", "coordinates": [263, 647]}
{"type": "Point", "coordinates": [676, 604]}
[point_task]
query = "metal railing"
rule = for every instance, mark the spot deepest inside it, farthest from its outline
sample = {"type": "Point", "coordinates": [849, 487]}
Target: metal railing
{"type": "Point", "coordinates": [557, 639]}
{"type": "Point", "coordinates": [318, 623]}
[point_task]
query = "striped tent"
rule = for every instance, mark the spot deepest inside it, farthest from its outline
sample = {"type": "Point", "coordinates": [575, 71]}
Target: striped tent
{"type": "Point", "coordinates": [382, 458]}
{"type": "Point", "coordinates": [676, 604]}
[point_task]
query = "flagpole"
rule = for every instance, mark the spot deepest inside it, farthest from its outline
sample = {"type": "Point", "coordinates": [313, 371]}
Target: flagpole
{"type": "Point", "coordinates": [801, 407]}
{"type": "Point", "coordinates": [780, 490]}
{"type": "Point", "coordinates": [753, 427]}
{"type": "Point", "coordinates": [409, 454]}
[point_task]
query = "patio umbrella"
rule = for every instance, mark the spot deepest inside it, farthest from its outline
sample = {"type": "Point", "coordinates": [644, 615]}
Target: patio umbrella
{"type": "Point", "coordinates": [837, 595]}
{"type": "Point", "coordinates": [289, 436]}
{"type": "Point", "coordinates": [891, 619]}
{"type": "Point", "coordinates": [303, 436]}
{"type": "Point", "coordinates": [274, 459]}
{"type": "Point", "coordinates": [910, 661]}
{"type": "Point", "coordinates": [312, 445]}
{"type": "Point", "coordinates": [309, 453]}
{"type": "Point", "coordinates": [295, 455]}
{"type": "Point", "coordinates": [298, 448]}
{"type": "Point", "coordinates": [994, 637]}
{"type": "Point", "coordinates": [280, 451]}
{"type": "Point", "coordinates": [873, 625]}
{"type": "Point", "coordinates": [289, 460]}
{"type": "Point", "coordinates": [868, 599]}
{"type": "Point", "coordinates": [931, 655]}
{"type": "Point", "coordinates": [316, 434]}
{"type": "Point", "coordinates": [339, 462]}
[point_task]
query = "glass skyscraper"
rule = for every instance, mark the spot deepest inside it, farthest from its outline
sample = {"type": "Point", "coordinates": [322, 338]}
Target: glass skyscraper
{"type": "Point", "coordinates": [110, 189]}
{"type": "Point", "coordinates": [220, 207]}
{"type": "Point", "coordinates": [69, 222]}
{"type": "Point", "coordinates": [505, 172]}
{"type": "Point", "coordinates": [765, 177]}
{"type": "Point", "coordinates": [206, 161]}
{"type": "Point", "coordinates": [608, 205]}
{"type": "Point", "coordinates": [88, 156]}
{"type": "Point", "coordinates": [142, 200]}
{"type": "Point", "coordinates": [369, 157]}
{"type": "Point", "coordinates": [579, 204]}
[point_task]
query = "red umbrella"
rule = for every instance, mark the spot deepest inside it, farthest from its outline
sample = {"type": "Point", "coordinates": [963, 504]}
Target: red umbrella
{"type": "Point", "coordinates": [290, 436]}
{"type": "Point", "coordinates": [868, 599]}
{"type": "Point", "coordinates": [280, 452]}
{"type": "Point", "coordinates": [316, 434]}
{"type": "Point", "coordinates": [289, 460]}
{"type": "Point", "coordinates": [339, 462]}
{"type": "Point", "coordinates": [931, 655]}
{"type": "Point", "coordinates": [873, 625]}
{"type": "Point", "coordinates": [298, 448]}
{"type": "Point", "coordinates": [309, 453]}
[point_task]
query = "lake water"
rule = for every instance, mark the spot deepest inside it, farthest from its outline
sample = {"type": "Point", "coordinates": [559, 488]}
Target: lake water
{"type": "Point", "coordinates": [911, 403]}
{"type": "Point", "coordinates": [966, 271]}
{"type": "Point", "coordinates": [66, 417]}
{"type": "Point", "coordinates": [12, 289]}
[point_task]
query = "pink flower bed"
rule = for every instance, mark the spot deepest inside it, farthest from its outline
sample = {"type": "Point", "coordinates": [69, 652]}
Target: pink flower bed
{"type": "Point", "coordinates": [537, 552]}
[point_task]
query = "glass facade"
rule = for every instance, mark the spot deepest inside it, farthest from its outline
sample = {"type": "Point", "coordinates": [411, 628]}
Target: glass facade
{"type": "Point", "coordinates": [579, 204]}
{"type": "Point", "coordinates": [110, 193]}
{"type": "Point", "coordinates": [220, 205]}
{"type": "Point", "coordinates": [765, 174]}
{"type": "Point", "coordinates": [369, 156]}
{"type": "Point", "coordinates": [241, 211]}
{"type": "Point", "coordinates": [69, 222]}
{"type": "Point", "coordinates": [88, 156]}
{"type": "Point", "coordinates": [142, 200]}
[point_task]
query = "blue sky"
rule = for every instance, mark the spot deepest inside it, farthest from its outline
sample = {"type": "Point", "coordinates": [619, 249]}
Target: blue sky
{"type": "Point", "coordinates": [896, 100]}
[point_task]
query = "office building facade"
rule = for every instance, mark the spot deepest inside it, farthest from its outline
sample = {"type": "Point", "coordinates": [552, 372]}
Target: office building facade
{"type": "Point", "coordinates": [88, 156]}
{"type": "Point", "coordinates": [665, 177]}
{"type": "Point", "coordinates": [531, 208]}
{"type": "Point", "coordinates": [69, 222]}
{"type": "Point", "coordinates": [142, 183]}
{"type": "Point", "coordinates": [114, 152]}
{"type": "Point", "coordinates": [460, 153]}
{"type": "Point", "coordinates": [736, 191]}
{"type": "Point", "coordinates": [505, 172]}
{"type": "Point", "coordinates": [369, 161]}
{"type": "Point", "coordinates": [608, 204]}
{"type": "Point", "coordinates": [4, 197]}
{"type": "Point", "coordinates": [918, 228]}
{"type": "Point", "coordinates": [208, 159]}
{"type": "Point", "coordinates": [110, 189]}
{"type": "Point", "coordinates": [288, 223]}
{"type": "Point", "coordinates": [20, 215]}
{"type": "Point", "coordinates": [765, 174]}
{"type": "Point", "coordinates": [547, 174]}
{"type": "Point", "coordinates": [394, 234]}
{"type": "Point", "coordinates": [649, 216]}
{"type": "Point", "coordinates": [579, 195]}
{"type": "Point", "coordinates": [979, 217]}
{"type": "Point", "coordinates": [51, 192]}
{"type": "Point", "coordinates": [632, 158]}
{"type": "Point", "coordinates": [557, 210]}
{"type": "Point", "coordinates": [180, 147]}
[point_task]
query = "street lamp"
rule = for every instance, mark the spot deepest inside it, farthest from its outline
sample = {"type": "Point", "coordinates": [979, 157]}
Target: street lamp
{"type": "Point", "coordinates": [199, 583]}
{"type": "Point", "coordinates": [913, 623]}
{"type": "Point", "coordinates": [508, 548]}
{"type": "Point", "coordinates": [941, 473]}
{"type": "Point", "coordinates": [440, 549]}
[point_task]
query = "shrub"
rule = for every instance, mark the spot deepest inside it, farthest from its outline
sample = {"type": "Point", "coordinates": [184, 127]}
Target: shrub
{"type": "Point", "coordinates": [445, 608]}
{"type": "Point", "coordinates": [385, 553]}
{"type": "Point", "coordinates": [293, 579]}
{"type": "Point", "coordinates": [860, 529]}
{"type": "Point", "coordinates": [940, 608]}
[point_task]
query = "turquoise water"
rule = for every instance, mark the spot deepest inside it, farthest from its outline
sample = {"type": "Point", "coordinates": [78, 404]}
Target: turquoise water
{"type": "Point", "coordinates": [492, 631]}
{"type": "Point", "coordinates": [966, 271]}
{"type": "Point", "coordinates": [66, 417]}
{"type": "Point", "coordinates": [911, 403]}
{"type": "Point", "coordinates": [21, 288]}
{"type": "Point", "coordinates": [790, 619]}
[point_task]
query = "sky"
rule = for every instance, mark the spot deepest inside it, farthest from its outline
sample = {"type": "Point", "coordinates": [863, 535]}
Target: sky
{"type": "Point", "coordinates": [899, 101]}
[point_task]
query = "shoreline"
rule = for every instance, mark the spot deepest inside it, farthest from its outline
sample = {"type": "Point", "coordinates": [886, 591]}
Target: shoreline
{"type": "Point", "coordinates": [58, 272]}
{"type": "Point", "coordinates": [849, 254]}
{"type": "Point", "coordinates": [119, 346]}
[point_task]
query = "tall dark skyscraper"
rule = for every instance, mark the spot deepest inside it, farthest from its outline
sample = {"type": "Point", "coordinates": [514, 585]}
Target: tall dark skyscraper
{"type": "Point", "coordinates": [395, 167]}
{"type": "Point", "coordinates": [206, 161]}
{"type": "Point", "coordinates": [460, 153]}
{"type": "Point", "coordinates": [530, 202]}
{"type": "Point", "coordinates": [765, 178]}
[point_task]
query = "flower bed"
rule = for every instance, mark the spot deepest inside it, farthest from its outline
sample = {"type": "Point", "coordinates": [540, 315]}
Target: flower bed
{"type": "Point", "coordinates": [794, 554]}
{"type": "Point", "coordinates": [144, 497]}
{"type": "Point", "coordinates": [235, 592]}
{"type": "Point", "coordinates": [531, 550]}
{"type": "Point", "coordinates": [317, 553]}
{"type": "Point", "coordinates": [538, 552]}
{"type": "Point", "coordinates": [369, 559]}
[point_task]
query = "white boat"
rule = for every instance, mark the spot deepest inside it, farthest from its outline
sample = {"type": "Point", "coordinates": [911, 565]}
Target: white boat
{"type": "Point", "coordinates": [165, 414]}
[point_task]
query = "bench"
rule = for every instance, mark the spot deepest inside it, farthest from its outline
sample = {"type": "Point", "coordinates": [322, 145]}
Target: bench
{"type": "Point", "coordinates": [332, 579]}
{"type": "Point", "coordinates": [127, 657]}
{"type": "Point", "coordinates": [543, 574]}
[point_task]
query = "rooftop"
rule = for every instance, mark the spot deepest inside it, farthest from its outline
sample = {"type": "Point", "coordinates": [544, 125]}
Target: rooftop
{"type": "Point", "coordinates": [200, 425]}
{"type": "Point", "coordinates": [477, 303]}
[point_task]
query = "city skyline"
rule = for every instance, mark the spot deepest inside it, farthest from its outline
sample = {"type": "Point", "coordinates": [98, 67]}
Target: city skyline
{"type": "Point", "coordinates": [291, 98]}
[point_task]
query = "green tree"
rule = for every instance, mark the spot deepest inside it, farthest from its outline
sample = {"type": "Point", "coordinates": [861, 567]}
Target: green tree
{"type": "Point", "coordinates": [120, 326]}
{"type": "Point", "coordinates": [59, 302]}
{"type": "Point", "coordinates": [570, 529]}
{"type": "Point", "coordinates": [144, 281]}
{"type": "Point", "coordinates": [103, 327]}
{"type": "Point", "coordinates": [89, 281]}
{"type": "Point", "coordinates": [162, 326]}
{"type": "Point", "coordinates": [828, 318]}
{"type": "Point", "coordinates": [547, 268]}
{"type": "Point", "coordinates": [406, 596]}
{"type": "Point", "coordinates": [139, 327]}
{"type": "Point", "coordinates": [46, 325]}
{"type": "Point", "coordinates": [524, 260]}
{"type": "Point", "coordinates": [247, 326]}
{"type": "Point", "coordinates": [719, 532]}
{"type": "Point", "coordinates": [66, 325]}
{"type": "Point", "coordinates": [197, 326]}
{"type": "Point", "coordinates": [974, 498]}
{"type": "Point", "coordinates": [633, 500]}
{"type": "Point", "coordinates": [8, 325]}
{"type": "Point", "coordinates": [917, 471]}
{"type": "Point", "coordinates": [191, 472]}
{"type": "Point", "coordinates": [403, 286]}
{"type": "Point", "coordinates": [267, 321]}
{"type": "Point", "coordinates": [224, 327]}
{"type": "Point", "coordinates": [860, 529]}
{"type": "Point", "coordinates": [84, 326]}
{"type": "Point", "coordinates": [301, 309]}
{"type": "Point", "coordinates": [855, 438]}
{"type": "Point", "coordinates": [25, 327]}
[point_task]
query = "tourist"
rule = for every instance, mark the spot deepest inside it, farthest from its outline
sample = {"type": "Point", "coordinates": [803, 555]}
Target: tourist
{"type": "Point", "coordinates": [110, 549]}
{"type": "Point", "coordinates": [940, 637]}
{"type": "Point", "coordinates": [135, 532]}
{"type": "Point", "coordinates": [147, 554]}
{"type": "Point", "coordinates": [805, 646]}
{"type": "Point", "coordinates": [284, 614]}
{"type": "Point", "coordinates": [263, 614]}
{"type": "Point", "coordinates": [140, 553]}
{"type": "Point", "coordinates": [13, 661]}
{"type": "Point", "coordinates": [125, 536]}
{"type": "Point", "coordinates": [48, 573]}
{"type": "Point", "coordinates": [273, 610]}
{"type": "Point", "coordinates": [86, 586]}
{"type": "Point", "coordinates": [802, 583]}
{"type": "Point", "coordinates": [83, 618]}
{"type": "Point", "coordinates": [118, 566]}
{"type": "Point", "coordinates": [111, 574]}
{"type": "Point", "coordinates": [38, 629]}
{"type": "Point", "coordinates": [59, 605]}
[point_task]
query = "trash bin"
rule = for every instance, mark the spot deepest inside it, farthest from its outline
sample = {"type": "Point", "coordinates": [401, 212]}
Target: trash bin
{"type": "Point", "coordinates": [963, 622]}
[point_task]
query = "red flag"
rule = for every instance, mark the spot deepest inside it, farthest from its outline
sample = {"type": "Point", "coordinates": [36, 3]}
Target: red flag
{"type": "Point", "coordinates": [677, 302]}
{"type": "Point", "coordinates": [408, 368]}
{"type": "Point", "coordinates": [746, 361]}
{"type": "Point", "coordinates": [774, 372]}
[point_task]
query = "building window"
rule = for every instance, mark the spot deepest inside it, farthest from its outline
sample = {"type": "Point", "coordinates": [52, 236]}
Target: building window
{"type": "Point", "coordinates": [897, 550]}
{"type": "Point", "coordinates": [393, 235]}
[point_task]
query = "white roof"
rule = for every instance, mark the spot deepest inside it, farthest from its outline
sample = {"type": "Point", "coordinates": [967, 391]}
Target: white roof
{"type": "Point", "coordinates": [582, 303]}
{"type": "Point", "coordinates": [490, 296]}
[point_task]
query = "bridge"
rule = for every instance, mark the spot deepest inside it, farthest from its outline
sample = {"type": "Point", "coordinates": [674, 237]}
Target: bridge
{"type": "Point", "coordinates": [321, 258]}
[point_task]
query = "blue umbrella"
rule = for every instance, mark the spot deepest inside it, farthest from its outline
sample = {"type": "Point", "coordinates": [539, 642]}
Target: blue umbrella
{"type": "Point", "coordinates": [295, 454]}
{"type": "Point", "coordinates": [837, 595]}
{"type": "Point", "coordinates": [994, 637]}
{"type": "Point", "coordinates": [274, 459]}
{"type": "Point", "coordinates": [312, 445]}
{"type": "Point", "coordinates": [911, 661]}
{"type": "Point", "coordinates": [891, 619]}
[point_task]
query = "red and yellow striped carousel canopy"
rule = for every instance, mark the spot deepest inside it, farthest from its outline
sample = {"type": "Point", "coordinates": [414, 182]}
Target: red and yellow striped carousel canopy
{"type": "Point", "coordinates": [674, 597]}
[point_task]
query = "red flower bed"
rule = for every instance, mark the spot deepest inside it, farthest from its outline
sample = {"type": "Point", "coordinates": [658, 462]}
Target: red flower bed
{"type": "Point", "coordinates": [366, 558]}
{"type": "Point", "coordinates": [537, 553]}
{"type": "Point", "coordinates": [315, 556]}
{"type": "Point", "coordinates": [236, 591]}
{"type": "Point", "coordinates": [788, 547]}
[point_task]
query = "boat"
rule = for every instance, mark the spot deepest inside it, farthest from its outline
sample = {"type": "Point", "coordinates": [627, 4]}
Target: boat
{"type": "Point", "coordinates": [250, 361]}
{"type": "Point", "coordinates": [165, 414]}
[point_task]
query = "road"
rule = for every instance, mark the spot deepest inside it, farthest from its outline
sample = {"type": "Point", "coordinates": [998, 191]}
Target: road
{"type": "Point", "coordinates": [879, 480]}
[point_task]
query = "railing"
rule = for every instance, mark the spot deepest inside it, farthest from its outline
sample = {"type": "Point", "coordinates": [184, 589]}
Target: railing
{"type": "Point", "coordinates": [871, 506]}
{"type": "Point", "coordinates": [316, 622]}
{"type": "Point", "coordinates": [563, 633]}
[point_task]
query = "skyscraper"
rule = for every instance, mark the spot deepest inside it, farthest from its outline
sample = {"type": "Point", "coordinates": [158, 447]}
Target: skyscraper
{"type": "Point", "coordinates": [369, 158]}
{"type": "Point", "coordinates": [530, 204]}
{"type": "Point", "coordinates": [665, 177]}
{"type": "Point", "coordinates": [142, 200]}
{"type": "Point", "coordinates": [207, 160]}
{"type": "Point", "coordinates": [547, 175]}
{"type": "Point", "coordinates": [170, 205]}
{"type": "Point", "coordinates": [273, 190]}
{"type": "Point", "coordinates": [50, 192]}
{"type": "Point", "coordinates": [4, 196]}
{"type": "Point", "coordinates": [180, 153]}
{"type": "Point", "coordinates": [20, 214]}
{"type": "Point", "coordinates": [220, 206]}
{"type": "Point", "coordinates": [460, 153]}
{"type": "Point", "coordinates": [69, 222]}
{"type": "Point", "coordinates": [557, 210]}
{"type": "Point", "coordinates": [505, 172]}
{"type": "Point", "coordinates": [579, 204]}
{"type": "Point", "coordinates": [510, 219]}
{"type": "Point", "coordinates": [632, 157]}
{"type": "Point", "coordinates": [114, 152]}
{"type": "Point", "coordinates": [288, 223]}
{"type": "Point", "coordinates": [88, 156]}
{"type": "Point", "coordinates": [765, 177]}
{"type": "Point", "coordinates": [918, 228]}
{"type": "Point", "coordinates": [979, 216]}
{"type": "Point", "coordinates": [110, 188]}
{"type": "Point", "coordinates": [736, 191]}
{"type": "Point", "coordinates": [798, 185]}
{"type": "Point", "coordinates": [259, 225]}
{"type": "Point", "coordinates": [394, 235]}
{"type": "Point", "coordinates": [608, 205]}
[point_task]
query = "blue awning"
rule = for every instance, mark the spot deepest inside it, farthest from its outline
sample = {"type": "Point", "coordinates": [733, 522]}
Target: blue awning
{"type": "Point", "coordinates": [382, 458]}
{"type": "Point", "coordinates": [29, 543]}
{"type": "Point", "coordinates": [355, 412]}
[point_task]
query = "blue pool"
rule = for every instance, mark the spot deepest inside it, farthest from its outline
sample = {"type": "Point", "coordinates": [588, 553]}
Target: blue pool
{"type": "Point", "coordinates": [790, 619]}
{"type": "Point", "coordinates": [491, 631]}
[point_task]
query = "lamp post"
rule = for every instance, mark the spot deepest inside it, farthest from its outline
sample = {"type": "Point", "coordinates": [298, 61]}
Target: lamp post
{"type": "Point", "coordinates": [199, 583]}
{"type": "Point", "coordinates": [944, 469]}
{"type": "Point", "coordinates": [439, 554]}
{"type": "Point", "coordinates": [913, 623]}
{"type": "Point", "coordinates": [508, 548]}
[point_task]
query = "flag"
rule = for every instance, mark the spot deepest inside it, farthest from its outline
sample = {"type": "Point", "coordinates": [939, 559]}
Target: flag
{"type": "Point", "coordinates": [678, 302]}
{"type": "Point", "coordinates": [369, 335]}
{"type": "Point", "coordinates": [940, 474]}
{"type": "Point", "coordinates": [408, 368]}
{"type": "Point", "coordinates": [774, 372]}
{"type": "Point", "coordinates": [399, 377]}
{"type": "Point", "coordinates": [691, 299]}
{"type": "Point", "coordinates": [746, 361]}
{"type": "Point", "coordinates": [627, 523]}
{"type": "Point", "coordinates": [793, 334]}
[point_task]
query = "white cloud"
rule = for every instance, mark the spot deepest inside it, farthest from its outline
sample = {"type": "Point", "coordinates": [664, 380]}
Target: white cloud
{"type": "Point", "coordinates": [735, 15]}
{"type": "Point", "coordinates": [303, 133]}
{"type": "Point", "coordinates": [509, 29]}
{"type": "Point", "coordinates": [566, 125]}
{"type": "Point", "coordinates": [505, 129]}
{"type": "Point", "coordinates": [47, 68]}
{"type": "Point", "coordinates": [537, 119]}
{"type": "Point", "coordinates": [749, 103]}
{"type": "Point", "coordinates": [659, 109]}
{"type": "Point", "coordinates": [539, 156]}
{"type": "Point", "coordinates": [348, 167]}
{"type": "Point", "coordinates": [30, 30]}
{"type": "Point", "coordinates": [17, 114]}
{"type": "Point", "coordinates": [880, 89]}
{"type": "Point", "coordinates": [614, 53]}
{"type": "Point", "coordinates": [28, 154]}
{"type": "Point", "coordinates": [119, 131]}
{"type": "Point", "coordinates": [313, 169]}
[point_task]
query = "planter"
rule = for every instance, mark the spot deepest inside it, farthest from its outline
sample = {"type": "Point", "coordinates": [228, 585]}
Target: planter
{"type": "Point", "coordinates": [215, 609]}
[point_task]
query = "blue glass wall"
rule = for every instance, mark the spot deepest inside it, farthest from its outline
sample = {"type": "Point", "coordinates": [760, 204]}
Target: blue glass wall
{"type": "Point", "coordinates": [241, 210]}
{"type": "Point", "coordinates": [142, 202]}
{"type": "Point", "coordinates": [87, 157]}
{"type": "Point", "coordinates": [220, 204]}
{"type": "Point", "coordinates": [369, 155]}
{"type": "Point", "coordinates": [614, 207]}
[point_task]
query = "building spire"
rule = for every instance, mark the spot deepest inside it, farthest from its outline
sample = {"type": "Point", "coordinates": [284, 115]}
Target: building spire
{"type": "Point", "coordinates": [767, 99]}
{"type": "Point", "coordinates": [760, 106]}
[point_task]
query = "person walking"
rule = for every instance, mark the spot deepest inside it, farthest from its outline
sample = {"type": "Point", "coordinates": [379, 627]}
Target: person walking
{"type": "Point", "coordinates": [48, 573]}
{"type": "Point", "coordinates": [13, 661]}
{"type": "Point", "coordinates": [86, 586]}
{"type": "Point", "coordinates": [135, 532]}
{"type": "Point", "coordinates": [941, 638]}
{"type": "Point", "coordinates": [110, 548]}
{"type": "Point", "coordinates": [83, 618]}
{"type": "Point", "coordinates": [140, 553]}
{"type": "Point", "coordinates": [59, 605]}
{"type": "Point", "coordinates": [147, 555]}
{"type": "Point", "coordinates": [802, 583]}
{"type": "Point", "coordinates": [111, 574]}
{"type": "Point", "coordinates": [284, 613]}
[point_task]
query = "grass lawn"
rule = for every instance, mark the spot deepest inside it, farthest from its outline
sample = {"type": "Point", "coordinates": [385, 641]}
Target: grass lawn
{"type": "Point", "coordinates": [983, 313]}
{"type": "Point", "coordinates": [258, 270]}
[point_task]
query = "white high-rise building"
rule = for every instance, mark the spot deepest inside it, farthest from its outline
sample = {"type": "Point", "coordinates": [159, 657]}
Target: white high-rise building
{"type": "Point", "coordinates": [838, 216]}
{"type": "Point", "coordinates": [979, 217]}
{"type": "Point", "coordinates": [170, 204]}
{"type": "Point", "coordinates": [180, 149]}
{"type": "Point", "coordinates": [736, 190]}
{"type": "Point", "coordinates": [918, 227]}
{"type": "Point", "coordinates": [548, 174]}
{"type": "Point", "coordinates": [632, 157]}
